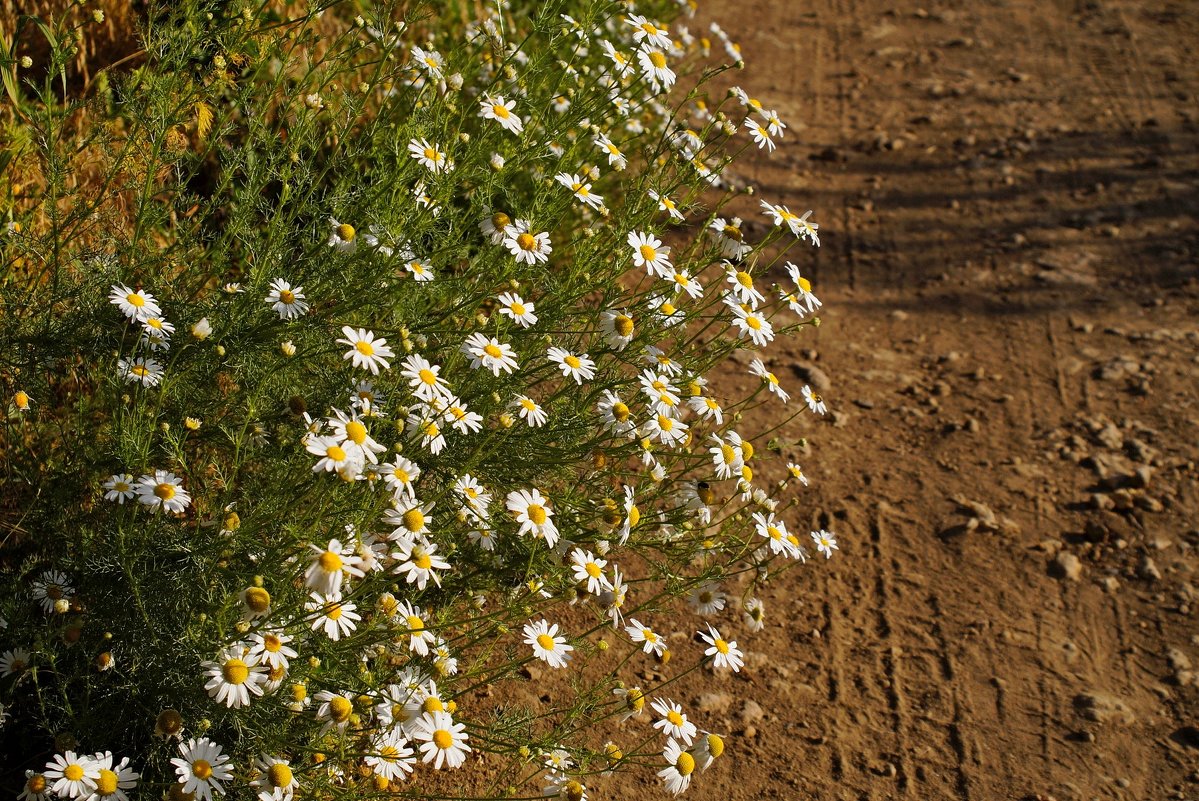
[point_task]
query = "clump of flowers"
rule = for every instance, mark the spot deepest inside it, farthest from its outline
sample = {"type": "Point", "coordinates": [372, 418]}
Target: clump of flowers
{"type": "Point", "coordinates": [389, 372]}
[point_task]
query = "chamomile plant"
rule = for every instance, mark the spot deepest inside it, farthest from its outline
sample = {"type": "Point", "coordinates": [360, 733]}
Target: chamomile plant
{"type": "Point", "coordinates": [368, 360]}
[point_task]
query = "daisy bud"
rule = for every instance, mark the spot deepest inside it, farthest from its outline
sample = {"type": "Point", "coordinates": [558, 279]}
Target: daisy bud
{"type": "Point", "coordinates": [454, 82]}
{"type": "Point", "coordinates": [220, 350]}
{"type": "Point", "coordinates": [497, 162]}
{"type": "Point", "coordinates": [191, 424]}
{"type": "Point", "coordinates": [21, 400]}
{"type": "Point", "coordinates": [602, 645]}
{"type": "Point", "coordinates": [26, 62]}
{"type": "Point", "coordinates": [360, 21]}
{"type": "Point", "coordinates": [62, 606]}
{"type": "Point", "coordinates": [218, 61]}
{"type": "Point", "coordinates": [105, 661]}
{"type": "Point", "coordinates": [98, 16]}
{"type": "Point", "coordinates": [168, 723]}
{"type": "Point", "coordinates": [288, 348]}
{"type": "Point", "coordinates": [202, 329]}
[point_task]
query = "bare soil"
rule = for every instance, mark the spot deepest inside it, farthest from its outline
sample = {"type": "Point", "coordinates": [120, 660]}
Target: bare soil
{"type": "Point", "coordinates": [1007, 194]}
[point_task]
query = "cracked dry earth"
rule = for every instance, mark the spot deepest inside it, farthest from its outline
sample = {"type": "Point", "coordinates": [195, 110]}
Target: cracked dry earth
{"type": "Point", "coordinates": [1010, 341]}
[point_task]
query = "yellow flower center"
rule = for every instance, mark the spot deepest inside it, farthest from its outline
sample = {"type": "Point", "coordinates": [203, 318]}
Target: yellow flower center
{"type": "Point", "coordinates": [431, 430]}
{"type": "Point", "coordinates": [747, 450]}
{"type": "Point", "coordinates": [333, 612]}
{"type": "Point", "coordinates": [657, 59]}
{"type": "Point", "coordinates": [634, 699]}
{"type": "Point", "coordinates": [414, 520]}
{"type": "Point", "coordinates": [389, 753]}
{"type": "Point", "coordinates": [427, 376]}
{"type": "Point", "coordinates": [279, 775]}
{"type": "Point", "coordinates": [276, 674]}
{"type": "Point", "coordinates": [443, 739]}
{"type": "Point", "coordinates": [500, 111]}
{"type": "Point", "coordinates": [134, 299]}
{"type": "Point", "coordinates": [235, 671]}
{"type": "Point", "coordinates": [649, 28]}
{"type": "Point", "coordinates": [431, 154]}
{"type": "Point", "coordinates": [620, 411]}
{"type": "Point", "coordinates": [715, 745]}
{"type": "Point", "coordinates": [675, 718]}
{"type": "Point", "coordinates": [298, 692]}
{"type": "Point", "coordinates": [415, 624]}
{"type": "Point", "coordinates": [36, 784]}
{"type": "Point", "coordinates": [681, 280]}
{"type": "Point", "coordinates": [500, 221]}
{"type": "Point", "coordinates": [287, 296]}
{"type": "Point", "coordinates": [721, 646]}
{"type": "Point", "coordinates": [804, 284]}
{"type": "Point", "coordinates": [685, 764]}
{"type": "Point", "coordinates": [356, 432]}
{"type": "Point", "coordinates": [518, 309]}
{"type": "Point", "coordinates": [747, 473]}
{"type": "Point", "coordinates": [422, 560]}
{"type": "Point", "coordinates": [492, 351]}
{"type": "Point", "coordinates": [536, 514]}
{"type": "Point", "coordinates": [593, 570]}
{"type": "Point", "coordinates": [106, 782]}
{"type": "Point", "coordinates": [330, 562]}
{"type": "Point", "coordinates": [335, 453]}
{"type": "Point", "coordinates": [72, 773]}
{"type": "Point", "coordinates": [258, 599]}
{"type": "Point", "coordinates": [432, 704]}
{"type": "Point", "coordinates": [545, 641]}
{"type": "Point", "coordinates": [364, 347]}
{"type": "Point", "coordinates": [272, 643]}
{"type": "Point", "coordinates": [745, 279]}
{"type": "Point", "coordinates": [340, 708]}
{"type": "Point", "coordinates": [668, 308]}
{"type": "Point", "coordinates": [526, 241]}
{"type": "Point", "coordinates": [634, 516]}
{"type": "Point", "coordinates": [202, 769]}
{"type": "Point", "coordinates": [648, 253]}
{"type": "Point", "coordinates": [753, 322]}
{"type": "Point", "coordinates": [650, 637]}
{"type": "Point", "coordinates": [733, 232]}
{"type": "Point", "coordinates": [165, 491]}
{"type": "Point", "coordinates": [665, 423]}
{"type": "Point", "coordinates": [774, 533]}
{"type": "Point", "coordinates": [728, 453]}
{"type": "Point", "coordinates": [346, 232]}
{"type": "Point", "coordinates": [572, 362]}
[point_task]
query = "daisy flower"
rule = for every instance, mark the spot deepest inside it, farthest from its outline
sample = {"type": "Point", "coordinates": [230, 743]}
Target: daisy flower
{"type": "Point", "coordinates": [782, 216]}
{"type": "Point", "coordinates": [332, 616]}
{"type": "Point", "coordinates": [418, 637]}
{"type": "Point", "coordinates": [632, 699]}
{"type": "Point", "coordinates": [330, 565]}
{"type": "Point", "coordinates": [462, 419]}
{"type": "Point", "coordinates": [741, 285]}
{"type": "Point", "coordinates": [530, 411]}
{"type": "Point", "coordinates": [802, 300]}
{"type": "Point", "coordinates": [390, 756]}
{"type": "Point", "coordinates": [620, 61]}
{"type": "Point", "coordinates": [707, 749]}
{"type": "Point", "coordinates": [726, 456]}
{"type": "Point", "coordinates": [685, 283]}
{"type": "Point", "coordinates": [760, 135]}
{"type": "Point", "coordinates": [615, 412]}
{"type": "Point", "coordinates": [428, 156]}
{"type": "Point", "coordinates": [286, 300]}
{"type": "Point", "coordinates": [36, 788]}
{"type": "Point", "coordinates": [796, 472]}
{"type": "Point", "coordinates": [589, 569]}
{"type": "Point", "coordinates": [490, 353]}
{"type": "Point", "coordinates": [334, 457]}
{"type": "Point", "coordinates": [423, 421]}
{"type": "Point", "coordinates": [14, 661]}
{"type": "Point", "coordinates": [707, 599]}
{"type": "Point", "coordinates": [581, 189]}
{"type": "Point", "coordinates": [814, 401]}
{"type": "Point", "coordinates": [50, 588]}
{"type": "Point", "coordinates": [826, 543]}
{"type": "Point", "coordinates": [548, 646]}
{"type": "Point", "coordinates": [775, 531]}
{"type": "Point", "coordinates": [417, 560]}
{"type": "Point", "coordinates": [667, 205]}
{"type": "Point", "coordinates": [500, 110]}
{"type": "Point", "coordinates": [352, 435]}
{"type": "Point", "coordinates": [654, 67]}
{"type": "Point", "coordinates": [156, 333]}
{"type": "Point", "coordinates": [430, 61]}
{"type": "Point", "coordinates": [233, 677]}
{"type": "Point", "coordinates": [666, 311]}
{"type": "Point", "coordinates": [119, 487]}
{"type": "Point", "coordinates": [618, 327]}
{"type": "Point", "coordinates": [113, 780]}
{"type": "Point", "coordinates": [141, 370]}
{"type": "Point", "coordinates": [730, 238]}
{"type": "Point", "coordinates": [410, 518]}
{"type": "Point", "coordinates": [342, 236]}
{"type": "Point", "coordinates": [493, 226]}
{"type": "Point", "coordinates": [423, 378]}
{"type": "Point", "coordinates": [72, 775]}
{"type": "Point", "coordinates": [564, 788]}
{"type": "Point", "coordinates": [651, 641]}
{"type": "Point", "coordinates": [520, 311]}
{"type": "Point", "coordinates": [532, 511]}
{"type": "Point", "coordinates": [420, 270]}
{"type": "Point", "coordinates": [644, 30]}
{"type": "Point", "coordinates": [755, 614]}
{"type": "Point", "coordinates": [616, 159]}
{"type": "Point", "coordinates": [707, 408]}
{"type": "Point", "coordinates": [275, 780]}
{"type": "Point", "coordinates": [136, 304]}
{"type": "Point", "coordinates": [580, 367]}
{"type": "Point", "coordinates": [650, 253]}
{"type": "Point", "coordinates": [398, 476]}
{"type": "Point", "coordinates": [442, 740]}
{"type": "Point", "coordinates": [269, 647]}
{"type": "Point", "coordinates": [366, 351]}
{"type": "Point", "coordinates": [163, 490]}
{"type": "Point", "coordinates": [776, 125]}
{"type": "Point", "coordinates": [724, 653]}
{"type": "Point", "coordinates": [756, 367]}
{"type": "Point", "coordinates": [668, 430]}
{"type": "Point", "coordinates": [754, 325]}
{"type": "Point", "coordinates": [528, 248]}
{"type": "Point", "coordinates": [679, 767]}
{"type": "Point", "coordinates": [335, 710]}
{"type": "Point", "coordinates": [657, 387]}
{"type": "Point", "coordinates": [673, 721]}
{"type": "Point", "coordinates": [201, 767]}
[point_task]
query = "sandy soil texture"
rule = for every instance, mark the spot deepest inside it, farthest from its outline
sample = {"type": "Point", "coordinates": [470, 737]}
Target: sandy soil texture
{"type": "Point", "coordinates": [1007, 192]}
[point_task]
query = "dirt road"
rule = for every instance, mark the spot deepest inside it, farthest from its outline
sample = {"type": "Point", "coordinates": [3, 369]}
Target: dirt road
{"type": "Point", "coordinates": [1007, 192]}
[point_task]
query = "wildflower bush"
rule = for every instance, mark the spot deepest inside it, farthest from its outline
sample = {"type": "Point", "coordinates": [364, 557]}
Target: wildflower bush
{"type": "Point", "coordinates": [360, 437]}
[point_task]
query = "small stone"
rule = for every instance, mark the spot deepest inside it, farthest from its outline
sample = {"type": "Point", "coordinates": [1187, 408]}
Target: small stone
{"type": "Point", "coordinates": [750, 732]}
{"type": "Point", "coordinates": [1066, 566]}
{"type": "Point", "coordinates": [811, 374]}
{"type": "Point", "coordinates": [899, 315]}
{"type": "Point", "coordinates": [1177, 660]}
{"type": "Point", "coordinates": [714, 703]}
{"type": "Point", "coordinates": [1141, 476]}
{"type": "Point", "coordinates": [1147, 569]}
{"type": "Point", "coordinates": [1110, 583]}
{"type": "Point", "coordinates": [1103, 708]}
{"type": "Point", "coordinates": [751, 712]}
